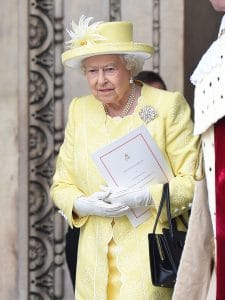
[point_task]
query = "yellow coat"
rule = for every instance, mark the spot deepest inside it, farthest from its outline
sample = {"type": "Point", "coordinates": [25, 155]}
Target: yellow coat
{"type": "Point", "coordinates": [87, 130]}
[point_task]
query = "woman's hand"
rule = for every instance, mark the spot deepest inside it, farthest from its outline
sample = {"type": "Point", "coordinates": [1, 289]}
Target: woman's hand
{"type": "Point", "coordinates": [132, 197]}
{"type": "Point", "coordinates": [94, 205]}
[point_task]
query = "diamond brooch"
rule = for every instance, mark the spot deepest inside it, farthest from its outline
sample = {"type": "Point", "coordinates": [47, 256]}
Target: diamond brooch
{"type": "Point", "coordinates": [148, 114]}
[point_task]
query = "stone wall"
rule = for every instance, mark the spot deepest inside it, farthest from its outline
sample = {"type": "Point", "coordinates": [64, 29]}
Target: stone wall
{"type": "Point", "coordinates": [9, 153]}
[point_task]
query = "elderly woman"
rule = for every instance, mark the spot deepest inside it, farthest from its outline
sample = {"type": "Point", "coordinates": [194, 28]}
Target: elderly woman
{"type": "Point", "coordinates": [113, 256]}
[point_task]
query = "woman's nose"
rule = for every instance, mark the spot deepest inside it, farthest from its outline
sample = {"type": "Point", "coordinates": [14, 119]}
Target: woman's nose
{"type": "Point", "coordinates": [101, 77]}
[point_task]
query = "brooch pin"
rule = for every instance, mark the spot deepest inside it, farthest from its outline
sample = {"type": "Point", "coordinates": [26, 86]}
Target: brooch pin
{"type": "Point", "coordinates": [148, 114]}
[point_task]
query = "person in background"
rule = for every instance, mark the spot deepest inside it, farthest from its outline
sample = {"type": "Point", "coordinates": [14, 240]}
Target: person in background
{"type": "Point", "coordinates": [72, 236]}
{"type": "Point", "coordinates": [151, 78]}
{"type": "Point", "coordinates": [113, 255]}
{"type": "Point", "coordinates": [201, 274]}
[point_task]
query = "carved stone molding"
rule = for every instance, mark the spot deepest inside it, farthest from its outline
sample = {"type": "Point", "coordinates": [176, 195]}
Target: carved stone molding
{"type": "Point", "coordinates": [115, 10]}
{"type": "Point", "coordinates": [156, 35]}
{"type": "Point", "coordinates": [45, 229]}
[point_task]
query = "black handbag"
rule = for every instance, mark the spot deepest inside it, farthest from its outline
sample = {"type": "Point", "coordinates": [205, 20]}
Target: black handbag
{"type": "Point", "coordinates": [71, 249]}
{"type": "Point", "coordinates": [165, 249]}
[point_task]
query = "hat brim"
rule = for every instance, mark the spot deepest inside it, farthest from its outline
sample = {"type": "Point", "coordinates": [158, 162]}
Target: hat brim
{"type": "Point", "coordinates": [73, 58]}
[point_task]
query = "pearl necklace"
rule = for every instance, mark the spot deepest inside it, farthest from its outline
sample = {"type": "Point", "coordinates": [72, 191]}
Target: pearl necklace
{"type": "Point", "coordinates": [128, 105]}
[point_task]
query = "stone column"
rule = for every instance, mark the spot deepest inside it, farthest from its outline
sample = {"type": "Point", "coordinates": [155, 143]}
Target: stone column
{"type": "Point", "coordinates": [9, 154]}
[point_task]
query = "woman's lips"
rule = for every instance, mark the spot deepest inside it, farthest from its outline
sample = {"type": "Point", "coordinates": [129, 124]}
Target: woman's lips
{"type": "Point", "coordinates": [105, 90]}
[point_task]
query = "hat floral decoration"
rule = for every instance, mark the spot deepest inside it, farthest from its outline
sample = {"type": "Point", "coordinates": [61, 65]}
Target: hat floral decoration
{"type": "Point", "coordinates": [83, 33]}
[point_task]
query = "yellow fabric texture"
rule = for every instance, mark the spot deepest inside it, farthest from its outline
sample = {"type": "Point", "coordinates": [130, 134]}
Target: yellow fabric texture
{"type": "Point", "coordinates": [89, 129]}
{"type": "Point", "coordinates": [114, 277]}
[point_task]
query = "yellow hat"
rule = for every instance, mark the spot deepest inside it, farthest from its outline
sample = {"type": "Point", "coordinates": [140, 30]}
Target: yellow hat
{"type": "Point", "coordinates": [102, 38]}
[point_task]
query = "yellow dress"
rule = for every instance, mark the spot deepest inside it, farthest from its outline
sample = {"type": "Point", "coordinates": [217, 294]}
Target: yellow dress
{"type": "Point", "coordinates": [126, 259]}
{"type": "Point", "coordinates": [114, 280]}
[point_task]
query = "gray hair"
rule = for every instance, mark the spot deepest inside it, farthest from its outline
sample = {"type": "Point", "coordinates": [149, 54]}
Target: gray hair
{"type": "Point", "coordinates": [133, 63]}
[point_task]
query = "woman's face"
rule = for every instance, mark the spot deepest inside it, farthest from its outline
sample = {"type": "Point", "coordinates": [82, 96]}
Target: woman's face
{"type": "Point", "coordinates": [108, 78]}
{"type": "Point", "coordinates": [218, 5]}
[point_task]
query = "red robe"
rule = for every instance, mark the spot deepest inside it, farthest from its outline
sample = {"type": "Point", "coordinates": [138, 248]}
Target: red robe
{"type": "Point", "coordinates": [219, 136]}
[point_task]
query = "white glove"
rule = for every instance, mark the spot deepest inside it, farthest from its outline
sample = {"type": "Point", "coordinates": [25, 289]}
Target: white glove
{"type": "Point", "coordinates": [94, 205]}
{"type": "Point", "coordinates": [132, 197]}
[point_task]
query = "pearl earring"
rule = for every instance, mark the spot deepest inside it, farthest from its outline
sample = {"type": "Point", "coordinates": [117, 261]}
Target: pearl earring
{"type": "Point", "coordinates": [131, 80]}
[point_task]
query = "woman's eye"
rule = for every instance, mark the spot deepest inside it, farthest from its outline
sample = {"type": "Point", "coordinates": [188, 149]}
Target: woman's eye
{"type": "Point", "coordinates": [110, 69]}
{"type": "Point", "coordinates": [92, 71]}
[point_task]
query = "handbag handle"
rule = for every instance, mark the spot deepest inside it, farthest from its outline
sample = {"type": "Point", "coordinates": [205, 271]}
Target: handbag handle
{"type": "Point", "coordinates": [172, 223]}
{"type": "Point", "coordinates": [165, 195]}
{"type": "Point", "coordinates": [166, 198]}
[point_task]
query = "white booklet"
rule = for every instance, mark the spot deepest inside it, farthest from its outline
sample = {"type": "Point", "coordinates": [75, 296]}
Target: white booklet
{"type": "Point", "coordinates": [133, 160]}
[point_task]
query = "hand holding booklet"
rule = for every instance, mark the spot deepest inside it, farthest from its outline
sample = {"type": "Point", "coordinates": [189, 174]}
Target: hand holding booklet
{"type": "Point", "coordinates": [133, 160]}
